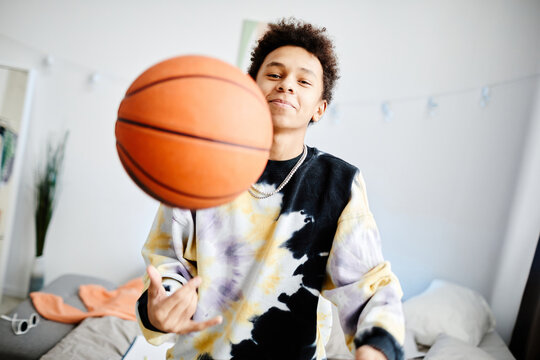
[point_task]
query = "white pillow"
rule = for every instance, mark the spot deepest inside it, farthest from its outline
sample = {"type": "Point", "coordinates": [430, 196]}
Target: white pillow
{"type": "Point", "coordinates": [447, 308]}
{"type": "Point", "coordinates": [449, 348]}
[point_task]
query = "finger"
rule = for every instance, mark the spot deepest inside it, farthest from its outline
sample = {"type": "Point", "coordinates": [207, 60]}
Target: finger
{"type": "Point", "coordinates": [180, 296]}
{"type": "Point", "coordinates": [171, 314]}
{"type": "Point", "coordinates": [155, 288]}
{"type": "Point", "coordinates": [171, 309]}
{"type": "Point", "coordinates": [194, 283]}
{"type": "Point", "coordinates": [192, 307]}
{"type": "Point", "coordinates": [179, 310]}
{"type": "Point", "coordinates": [199, 326]}
{"type": "Point", "coordinates": [189, 288]}
{"type": "Point", "coordinates": [180, 315]}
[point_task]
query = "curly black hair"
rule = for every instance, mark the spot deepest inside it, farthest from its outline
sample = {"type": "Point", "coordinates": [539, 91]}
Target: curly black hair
{"type": "Point", "coordinates": [296, 32]}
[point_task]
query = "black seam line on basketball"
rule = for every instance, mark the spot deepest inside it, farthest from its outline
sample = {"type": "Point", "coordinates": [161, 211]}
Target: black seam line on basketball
{"type": "Point", "coordinates": [180, 77]}
{"type": "Point", "coordinates": [157, 128]}
{"type": "Point", "coordinates": [125, 152]}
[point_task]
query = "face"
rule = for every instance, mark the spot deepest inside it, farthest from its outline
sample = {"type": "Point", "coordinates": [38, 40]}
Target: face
{"type": "Point", "coordinates": [291, 80]}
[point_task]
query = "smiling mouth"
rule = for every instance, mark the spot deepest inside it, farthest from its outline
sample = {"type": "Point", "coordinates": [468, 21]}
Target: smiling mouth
{"type": "Point", "coordinates": [282, 104]}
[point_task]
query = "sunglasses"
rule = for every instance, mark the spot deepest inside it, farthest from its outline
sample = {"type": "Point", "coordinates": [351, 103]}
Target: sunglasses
{"type": "Point", "coordinates": [21, 326]}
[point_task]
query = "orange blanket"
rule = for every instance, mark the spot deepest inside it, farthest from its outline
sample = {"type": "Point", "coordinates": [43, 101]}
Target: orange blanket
{"type": "Point", "coordinates": [99, 302]}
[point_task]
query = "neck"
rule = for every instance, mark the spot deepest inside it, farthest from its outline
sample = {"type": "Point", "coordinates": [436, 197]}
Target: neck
{"type": "Point", "coordinates": [286, 146]}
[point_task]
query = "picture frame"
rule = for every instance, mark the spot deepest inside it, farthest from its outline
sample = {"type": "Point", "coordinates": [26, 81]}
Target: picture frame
{"type": "Point", "coordinates": [251, 33]}
{"type": "Point", "coordinates": [16, 89]}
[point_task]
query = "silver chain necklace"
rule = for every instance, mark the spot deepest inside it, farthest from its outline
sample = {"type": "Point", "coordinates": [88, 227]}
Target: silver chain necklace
{"type": "Point", "coordinates": [259, 194]}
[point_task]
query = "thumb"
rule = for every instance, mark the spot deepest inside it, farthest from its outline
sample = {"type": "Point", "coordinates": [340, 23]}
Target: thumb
{"type": "Point", "coordinates": [155, 288]}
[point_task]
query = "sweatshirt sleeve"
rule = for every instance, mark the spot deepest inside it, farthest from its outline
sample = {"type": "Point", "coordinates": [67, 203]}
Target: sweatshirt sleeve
{"type": "Point", "coordinates": [170, 248]}
{"type": "Point", "coordinates": [360, 282]}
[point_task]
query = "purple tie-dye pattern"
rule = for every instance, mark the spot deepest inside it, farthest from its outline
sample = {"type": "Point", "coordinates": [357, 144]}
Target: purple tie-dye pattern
{"type": "Point", "coordinates": [220, 293]}
{"type": "Point", "coordinates": [208, 221]}
{"type": "Point", "coordinates": [232, 249]}
{"type": "Point", "coordinates": [228, 288]}
{"type": "Point", "coordinates": [181, 270]}
{"type": "Point", "coordinates": [357, 252]}
{"type": "Point", "coordinates": [348, 297]}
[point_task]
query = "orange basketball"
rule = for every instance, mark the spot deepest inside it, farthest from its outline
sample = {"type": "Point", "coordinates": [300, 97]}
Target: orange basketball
{"type": "Point", "coordinates": [193, 132]}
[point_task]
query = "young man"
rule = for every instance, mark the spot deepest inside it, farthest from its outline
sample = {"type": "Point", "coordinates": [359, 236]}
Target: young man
{"type": "Point", "coordinates": [261, 261]}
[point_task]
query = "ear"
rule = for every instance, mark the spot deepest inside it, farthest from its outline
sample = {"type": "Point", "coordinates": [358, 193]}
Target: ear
{"type": "Point", "coordinates": [319, 111]}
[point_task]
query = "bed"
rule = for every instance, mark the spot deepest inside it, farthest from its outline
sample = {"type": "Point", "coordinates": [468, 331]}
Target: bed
{"type": "Point", "coordinates": [429, 335]}
{"type": "Point", "coordinates": [113, 335]}
{"type": "Point", "coordinates": [446, 321]}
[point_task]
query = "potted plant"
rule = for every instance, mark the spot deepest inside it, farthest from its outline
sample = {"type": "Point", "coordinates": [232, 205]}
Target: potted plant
{"type": "Point", "coordinates": [46, 196]}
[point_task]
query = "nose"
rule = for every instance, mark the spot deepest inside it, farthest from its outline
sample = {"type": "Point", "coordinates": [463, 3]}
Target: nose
{"type": "Point", "coordinates": [286, 84]}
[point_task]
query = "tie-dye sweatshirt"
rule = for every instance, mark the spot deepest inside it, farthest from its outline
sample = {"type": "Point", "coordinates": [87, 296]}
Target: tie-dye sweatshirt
{"type": "Point", "coordinates": [265, 262]}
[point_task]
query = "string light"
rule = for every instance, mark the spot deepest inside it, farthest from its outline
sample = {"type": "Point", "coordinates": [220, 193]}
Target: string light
{"type": "Point", "coordinates": [388, 114]}
{"type": "Point", "coordinates": [485, 97]}
{"type": "Point", "coordinates": [95, 77]}
{"type": "Point", "coordinates": [431, 106]}
{"type": "Point", "coordinates": [48, 61]}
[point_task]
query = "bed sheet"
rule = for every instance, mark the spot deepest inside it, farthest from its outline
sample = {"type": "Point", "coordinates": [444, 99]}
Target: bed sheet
{"type": "Point", "coordinates": [493, 344]}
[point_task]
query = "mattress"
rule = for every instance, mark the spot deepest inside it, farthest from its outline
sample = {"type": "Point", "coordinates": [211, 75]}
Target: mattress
{"type": "Point", "coordinates": [493, 344]}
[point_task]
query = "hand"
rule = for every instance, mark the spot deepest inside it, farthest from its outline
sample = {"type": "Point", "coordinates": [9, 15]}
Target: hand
{"type": "Point", "coordinates": [173, 313]}
{"type": "Point", "coordinates": [366, 352]}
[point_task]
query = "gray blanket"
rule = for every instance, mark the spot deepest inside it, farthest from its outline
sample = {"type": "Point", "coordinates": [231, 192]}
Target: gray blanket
{"type": "Point", "coordinates": [108, 337]}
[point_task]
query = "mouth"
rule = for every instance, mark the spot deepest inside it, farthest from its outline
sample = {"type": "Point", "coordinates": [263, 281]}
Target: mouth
{"type": "Point", "coordinates": [282, 103]}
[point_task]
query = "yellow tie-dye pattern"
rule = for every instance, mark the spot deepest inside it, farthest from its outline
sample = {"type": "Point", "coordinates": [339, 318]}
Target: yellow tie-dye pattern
{"type": "Point", "coordinates": [170, 354]}
{"type": "Point", "coordinates": [243, 203]}
{"type": "Point", "coordinates": [153, 337]}
{"type": "Point", "coordinates": [386, 321]}
{"type": "Point", "coordinates": [204, 341]}
{"type": "Point", "coordinates": [349, 340]}
{"type": "Point", "coordinates": [262, 234]}
{"type": "Point", "coordinates": [205, 267]}
{"type": "Point", "coordinates": [347, 228]}
{"type": "Point", "coordinates": [270, 252]}
{"type": "Point", "coordinates": [190, 252]}
{"type": "Point", "coordinates": [324, 325]}
{"type": "Point", "coordinates": [328, 284]}
{"type": "Point", "coordinates": [270, 283]}
{"type": "Point", "coordinates": [358, 204]}
{"type": "Point", "coordinates": [158, 239]}
{"type": "Point", "coordinates": [239, 313]}
{"type": "Point", "coordinates": [379, 276]}
{"type": "Point", "coordinates": [262, 214]}
{"type": "Point", "coordinates": [319, 346]}
{"type": "Point", "coordinates": [159, 261]}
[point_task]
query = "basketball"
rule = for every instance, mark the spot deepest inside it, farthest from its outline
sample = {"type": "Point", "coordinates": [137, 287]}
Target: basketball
{"type": "Point", "coordinates": [193, 132]}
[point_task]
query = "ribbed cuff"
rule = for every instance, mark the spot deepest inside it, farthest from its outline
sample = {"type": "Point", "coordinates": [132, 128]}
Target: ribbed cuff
{"type": "Point", "coordinates": [142, 308]}
{"type": "Point", "coordinates": [382, 340]}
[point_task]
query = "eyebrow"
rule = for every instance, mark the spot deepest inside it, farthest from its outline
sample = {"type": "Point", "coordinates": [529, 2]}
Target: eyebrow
{"type": "Point", "coordinates": [278, 64]}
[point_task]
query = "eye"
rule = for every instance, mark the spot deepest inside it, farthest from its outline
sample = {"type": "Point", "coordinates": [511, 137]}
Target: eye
{"type": "Point", "coordinates": [274, 76]}
{"type": "Point", "coordinates": [304, 82]}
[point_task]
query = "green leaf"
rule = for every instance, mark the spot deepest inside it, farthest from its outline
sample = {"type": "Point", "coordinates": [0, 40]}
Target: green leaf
{"type": "Point", "coordinates": [46, 183]}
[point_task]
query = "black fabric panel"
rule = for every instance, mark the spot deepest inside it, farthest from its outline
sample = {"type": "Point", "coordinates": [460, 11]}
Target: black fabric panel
{"type": "Point", "coordinates": [321, 188]}
{"type": "Point", "coordinates": [525, 344]}
{"type": "Point", "coordinates": [382, 340]}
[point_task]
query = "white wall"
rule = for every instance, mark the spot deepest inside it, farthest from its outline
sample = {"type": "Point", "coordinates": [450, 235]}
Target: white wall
{"type": "Point", "coordinates": [524, 225]}
{"type": "Point", "coordinates": [441, 187]}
